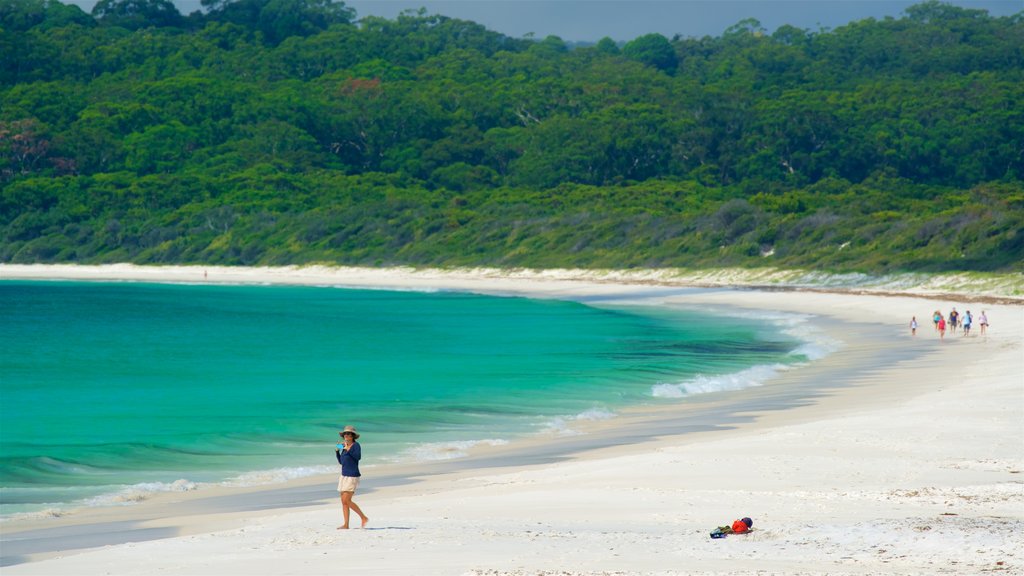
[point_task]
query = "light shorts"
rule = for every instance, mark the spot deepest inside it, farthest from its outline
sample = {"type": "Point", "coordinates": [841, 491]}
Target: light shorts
{"type": "Point", "coordinates": [348, 483]}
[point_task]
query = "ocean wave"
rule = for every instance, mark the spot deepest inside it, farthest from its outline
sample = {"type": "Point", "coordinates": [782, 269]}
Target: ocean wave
{"type": "Point", "coordinates": [45, 514]}
{"type": "Point", "coordinates": [701, 384]}
{"type": "Point", "coordinates": [563, 425]}
{"type": "Point", "coordinates": [275, 475]}
{"type": "Point", "coordinates": [434, 451]}
{"type": "Point", "coordinates": [814, 343]}
{"type": "Point", "coordinates": [139, 492]}
{"type": "Point", "coordinates": [385, 288]}
{"type": "Point", "coordinates": [49, 466]}
{"type": "Point", "coordinates": [813, 350]}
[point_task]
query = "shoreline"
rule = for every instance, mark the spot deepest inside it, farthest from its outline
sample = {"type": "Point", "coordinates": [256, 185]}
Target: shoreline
{"type": "Point", "coordinates": [482, 450]}
{"type": "Point", "coordinates": [992, 289]}
{"type": "Point", "coordinates": [868, 392]}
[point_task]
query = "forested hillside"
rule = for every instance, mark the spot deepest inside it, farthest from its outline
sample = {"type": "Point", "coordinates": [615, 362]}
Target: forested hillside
{"type": "Point", "coordinates": [290, 131]}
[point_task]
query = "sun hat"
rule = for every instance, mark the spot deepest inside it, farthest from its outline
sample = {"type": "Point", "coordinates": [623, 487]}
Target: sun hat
{"type": "Point", "coordinates": [351, 429]}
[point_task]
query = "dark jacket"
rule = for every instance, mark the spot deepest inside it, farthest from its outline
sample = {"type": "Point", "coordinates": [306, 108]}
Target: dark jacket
{"type": "Point", "coordinates": [349, 460]}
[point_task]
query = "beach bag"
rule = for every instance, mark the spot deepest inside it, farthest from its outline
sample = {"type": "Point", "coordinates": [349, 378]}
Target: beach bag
{"type": "Point", "coordinates": [741, 526]}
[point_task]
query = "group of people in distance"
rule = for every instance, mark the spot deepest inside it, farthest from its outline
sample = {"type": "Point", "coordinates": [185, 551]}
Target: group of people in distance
{"type": "Point", "coordinates": [956, 320]}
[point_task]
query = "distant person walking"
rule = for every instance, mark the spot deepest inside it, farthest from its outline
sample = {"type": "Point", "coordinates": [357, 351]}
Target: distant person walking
{"type": "Point", "coordinates": [913, 326]}
{"type": "Point", "coordinates": [983, 322]}
{"type": "Point", "coordinates": [967, 323]}
{"type": "Point", "coordinates": [954, 318]}
{"type": "Point", "coordinates": [348, 454]}
{"type": "Point", "coordinates": [936, 316]}
{"type": "Point", "coordinates": [942, 328]}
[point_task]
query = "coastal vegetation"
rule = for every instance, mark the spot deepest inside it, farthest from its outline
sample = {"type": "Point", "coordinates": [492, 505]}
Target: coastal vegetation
{"type": "Point", "coordinates": [268, 132]}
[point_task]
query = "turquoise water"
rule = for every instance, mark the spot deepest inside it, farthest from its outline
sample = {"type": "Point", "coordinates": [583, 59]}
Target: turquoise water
{"type": "Point", "coordinates": [109, 391]}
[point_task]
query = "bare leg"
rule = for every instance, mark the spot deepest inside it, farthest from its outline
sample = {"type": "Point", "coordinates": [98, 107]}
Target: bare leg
{"type": "Point", "coordinates": [362, 516]}
{"type": "Point", "coordinates": [344, 510]}
{"type": "Point", "coordinates": [347, 504]}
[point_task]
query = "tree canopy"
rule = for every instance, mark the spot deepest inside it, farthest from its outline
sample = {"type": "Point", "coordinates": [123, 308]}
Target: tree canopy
{"type": "Point", "coordinates": [653, 50]}
{"type": "Point", "coordinates": [135, 14]}
{"type": "Point", "coordinates": [290, 131]}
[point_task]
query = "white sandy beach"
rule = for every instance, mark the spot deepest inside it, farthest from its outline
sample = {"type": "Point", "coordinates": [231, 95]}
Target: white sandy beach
{"type": "Point", "coordinates": [913, 466]}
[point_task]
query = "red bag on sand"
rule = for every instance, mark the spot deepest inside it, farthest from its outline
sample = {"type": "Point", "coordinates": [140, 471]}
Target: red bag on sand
{"type": "Point", "coordinates": [741, 526]}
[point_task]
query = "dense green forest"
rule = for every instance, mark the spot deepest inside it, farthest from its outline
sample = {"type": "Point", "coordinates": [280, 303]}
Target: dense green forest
{"type": "Point", "coordinates": [291, 131]}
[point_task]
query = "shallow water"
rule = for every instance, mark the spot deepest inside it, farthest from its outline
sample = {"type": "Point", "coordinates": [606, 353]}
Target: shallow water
{"type": "Point", "coordinates": [110, 391]}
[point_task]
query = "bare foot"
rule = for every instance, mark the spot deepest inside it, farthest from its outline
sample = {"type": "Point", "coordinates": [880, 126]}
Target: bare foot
{"type": "Point", "coordinates": [344, 527]}
{"type": "Point", "coordinates": [365, 520]}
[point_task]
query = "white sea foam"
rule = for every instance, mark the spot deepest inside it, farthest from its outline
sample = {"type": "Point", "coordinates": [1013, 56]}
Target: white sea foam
{"type": "Point", "coordinates": [814, 350]}
{"type": "Point", "coordinates": [701, 384]}
{"type": "Point", "coordinates": [563, 425]}
{"type": "Point", "coordinates": [44, 514]}
{"type": "Point", "coordinates": [594, 414]}
{"type": "Point", "coordinates": [136, 493]}
{"type": "Point", "coordinates": [387, 288]}
{"type": "Point", "coordinates": [814, 345]}
{"type": "Point", "coordinates": [433, 451]}
{"type": "Point", "coordinates": [276, 475]}
{"type": "Point", "coordinates": [139, 492]}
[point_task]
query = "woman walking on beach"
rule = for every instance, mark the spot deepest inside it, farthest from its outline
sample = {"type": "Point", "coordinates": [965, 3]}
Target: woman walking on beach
{"type": "Point", "coordinates": [348, 455]}
{"type": "Point", "coordinates": [983, 322]}
{"type": "Point", "coordinates": [913, 326]}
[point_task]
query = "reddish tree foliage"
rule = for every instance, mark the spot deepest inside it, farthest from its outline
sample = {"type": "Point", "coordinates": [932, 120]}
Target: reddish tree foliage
{"type": "Point", "coordinates": [21, 147]}
{"type": "Point", "coordinates": [353, 86]}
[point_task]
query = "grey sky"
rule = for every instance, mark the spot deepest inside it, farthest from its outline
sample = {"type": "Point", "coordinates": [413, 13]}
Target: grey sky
{"type": "Point", "coordinates": [583, 20]}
